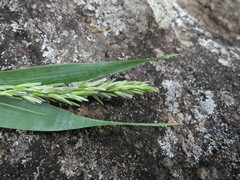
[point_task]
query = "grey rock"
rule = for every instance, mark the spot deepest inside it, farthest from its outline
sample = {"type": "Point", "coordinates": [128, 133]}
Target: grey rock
{"type": "Point", "coordinates": [162, 11]}
{"type": "Point", "coordinates": [219, 16]}
{"type": "Point", "coordinates": [166, 162]}
{"type": "Point", "coordinates": [202, 173]}
{"type": "Point", "coordinates": [199, 88]}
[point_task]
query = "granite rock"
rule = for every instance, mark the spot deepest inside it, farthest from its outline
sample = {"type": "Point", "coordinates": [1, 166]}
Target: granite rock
{"type": "Point", "coordinates": [199, 88]}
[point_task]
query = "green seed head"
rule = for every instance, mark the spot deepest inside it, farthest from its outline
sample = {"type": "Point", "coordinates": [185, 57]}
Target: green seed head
{"type": "Point", "coordinates": [36, 93]}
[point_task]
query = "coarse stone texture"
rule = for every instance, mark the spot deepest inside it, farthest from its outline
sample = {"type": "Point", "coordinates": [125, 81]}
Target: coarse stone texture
{"type": "Point", "coordinates": [199, 88]}
{"type": "Point", "coordinates": [219, 16]}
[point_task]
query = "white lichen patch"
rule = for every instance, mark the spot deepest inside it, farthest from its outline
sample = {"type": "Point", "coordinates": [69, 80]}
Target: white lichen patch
{"type": "Point", "coordinates": [108, 18]}
{"type": "Point", "coordinates": [206, 105]}
{"type": "Point", "coordinates": [70, 165]}
{"type": "Point", "coordinates": [194, 151]}
{"type": "Point", "coordinates": [203, 31]}
{"type": "Point", "coordinates": [182, 18]}
{"type": "Point", "coordinates": [162, 11]}
{"type": "Point", "coordinates": [174, 91]}
{"type": "Point", "coordinates": [167, 143]}
{"type": "Point", "coordinates": [224, 62]}
{"type": "Point", "coordinates": [79, 2]}
{"type": "Point", "coordinates": [49, 51]}
{"type": "Point", "coordinates": [226, 54]}
{"type": "Point", "coordinates": [158, 67]}
{"type": "Point", "coordinates": [15, 27]}
{"type": "Point", "coordinates": [225, 96]}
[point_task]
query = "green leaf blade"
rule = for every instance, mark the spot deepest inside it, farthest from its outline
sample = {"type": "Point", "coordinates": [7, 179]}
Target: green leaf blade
{"type": "Point", "coordinates": [18, 114]}
{"type": "Point", "coordinates": [67, 73]}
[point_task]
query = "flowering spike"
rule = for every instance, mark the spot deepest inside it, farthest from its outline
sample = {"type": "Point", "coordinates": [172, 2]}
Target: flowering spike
{"type": "Point", "coordinates": [36, 92]}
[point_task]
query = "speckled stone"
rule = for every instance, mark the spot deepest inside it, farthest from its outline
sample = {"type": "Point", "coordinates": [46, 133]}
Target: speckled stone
{"type": "Point", "coordinates": [199, 88]}
{"type": "Point", "coordinates": [219, 16]}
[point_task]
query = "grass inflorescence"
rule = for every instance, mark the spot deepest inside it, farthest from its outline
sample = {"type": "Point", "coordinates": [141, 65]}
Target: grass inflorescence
{"type": "Point", "coordinates": [38, 93]}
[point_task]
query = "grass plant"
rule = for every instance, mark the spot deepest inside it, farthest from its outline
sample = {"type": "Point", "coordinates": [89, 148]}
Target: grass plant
{"type": "Point", "coordinates": [23, 94]}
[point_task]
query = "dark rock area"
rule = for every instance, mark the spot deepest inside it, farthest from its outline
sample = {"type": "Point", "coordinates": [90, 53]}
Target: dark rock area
{"type": "Point", "coordinates": [219, 16]}
{"type": "Point", "coordinates": [200, 88]}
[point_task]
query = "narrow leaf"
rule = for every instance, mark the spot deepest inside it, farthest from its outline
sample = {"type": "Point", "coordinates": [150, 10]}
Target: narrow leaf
{"type": "Point", "coordinates": [18, 114]}
{"type": "Point", "coordinates": [67, 73]}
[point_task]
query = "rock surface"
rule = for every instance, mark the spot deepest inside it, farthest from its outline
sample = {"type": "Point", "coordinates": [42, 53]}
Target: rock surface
{"type": "Point", "coordinates": [200, 88]}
